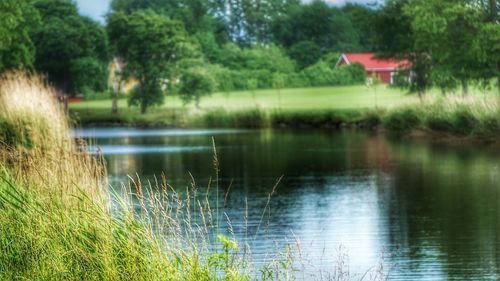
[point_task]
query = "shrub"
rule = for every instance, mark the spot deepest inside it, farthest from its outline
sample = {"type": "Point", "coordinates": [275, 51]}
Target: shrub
{"type": "Point", "coordinates": [487, 126]}
{"type": "Point", "coordinates": [305, 53]}
{"type": "Point", "coordinates": [371, 119]}
{"type": "Point", "coordinates": [342, 76]}
{"type": "Point", "coordinates": [195, 83]}
{"type": "Point", "coordinates": [402, 120]}
{"type": "Point", "coordinates": [438, 122]}
{"type": "Point", "coordinates": [463, 121]}
{"type": "Point", "coordinates": [319, 74]}
{"type": "Point", "coordinates": [357, 72]}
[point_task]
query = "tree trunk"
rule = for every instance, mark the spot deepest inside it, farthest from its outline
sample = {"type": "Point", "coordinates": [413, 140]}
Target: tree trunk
{"type": "Point", "coordinates": [143, 107]}
{"type": "Point", "coordinates": [465, 87]}
{"type": "Point", "coordinates": [114, 107]}
{"type": "Point", "coordinates": [116, 92]}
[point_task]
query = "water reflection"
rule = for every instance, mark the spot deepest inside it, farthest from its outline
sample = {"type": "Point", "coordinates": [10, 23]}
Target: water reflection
{"type": "Point", "coordinates": [431, 210]}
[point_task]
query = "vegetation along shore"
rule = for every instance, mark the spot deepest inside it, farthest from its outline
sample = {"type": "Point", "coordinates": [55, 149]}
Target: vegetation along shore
{"type": "Point", "coordinates": [476, 116]}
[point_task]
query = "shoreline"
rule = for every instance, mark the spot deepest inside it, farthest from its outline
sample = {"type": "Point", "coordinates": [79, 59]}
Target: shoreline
{"type": "Point", "coordinates": [369, 120]}
{"type": "Point", "coordinates": [414, 136]}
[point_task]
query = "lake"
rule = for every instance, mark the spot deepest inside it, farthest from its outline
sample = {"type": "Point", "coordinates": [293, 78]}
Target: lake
{"type": "Point", "coordinates": [428, 211]}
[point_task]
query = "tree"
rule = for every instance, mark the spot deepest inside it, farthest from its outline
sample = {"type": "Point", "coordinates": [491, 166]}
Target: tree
{"type": "Point", "coordinates": [449, 30]}
{"type": "Point", "coordinates": [71, 49]}
{"type": "Point", "coordinates": [196, 15]}
{"type": "Point", "coordinates": [363, 19]}
{"type": "Point", "coordinates": [151, 46]}
{"type": "Point", "coordinates": [305, 53]}
{"type": "Point", "coordinates": [17, 18]}
{"type": "Point", "coordinates": [329, 28]}
{"type": "Point", "coordinates": [195, 83]}
{"type": "Point", "coordinates": [395, 39]}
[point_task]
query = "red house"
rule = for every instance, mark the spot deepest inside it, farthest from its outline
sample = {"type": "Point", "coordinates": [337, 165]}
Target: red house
{"type": "Point", "coordinates": [384, 69]}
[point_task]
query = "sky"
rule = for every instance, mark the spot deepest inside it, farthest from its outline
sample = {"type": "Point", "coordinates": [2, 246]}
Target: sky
{"type": "Point", "coordinates": [97, 9]}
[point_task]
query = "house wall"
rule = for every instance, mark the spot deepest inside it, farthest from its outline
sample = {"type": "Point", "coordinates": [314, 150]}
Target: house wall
{"type": "Point", "coordinates": [384, 76]}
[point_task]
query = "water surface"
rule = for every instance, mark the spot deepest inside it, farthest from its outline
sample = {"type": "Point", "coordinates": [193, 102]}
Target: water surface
{"type": "Point", "coordinates": [431, 210]}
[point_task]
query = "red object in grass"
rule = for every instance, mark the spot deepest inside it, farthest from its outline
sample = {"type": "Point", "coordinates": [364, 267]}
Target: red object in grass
{"type": "Point", "coordinates": [75, 99]}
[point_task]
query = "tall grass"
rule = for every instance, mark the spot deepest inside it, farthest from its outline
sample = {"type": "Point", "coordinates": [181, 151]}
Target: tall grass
{"type": "Point", "coordinates": [475, 116]}
{"type": "Point", "coordinates": [59, 222]}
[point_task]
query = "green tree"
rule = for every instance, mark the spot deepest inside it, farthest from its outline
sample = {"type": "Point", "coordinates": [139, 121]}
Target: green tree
{"type": "Point", "coordinates": [196, 15]}
{"type": "Point", "coordinates": [449, 29]}
{"type": "Point", "coordinates": [363, 19]}
{"type": "Point", "coordinates": [17, 18]}
{"type": "Point", "coordinates": [327, 27]}
{"type": "Point", "coordinates": [151, 46]}
{"type": "Point", "coordinates": [305, 53]}
{"type": "Point", "coordinates": [270, 58]}
{"type": "Point", "coordinates": [72, 50]}
{"type": "Point", "coordinates": [395, 39]}
{"type": "Point", "coordinates": [195, 83]}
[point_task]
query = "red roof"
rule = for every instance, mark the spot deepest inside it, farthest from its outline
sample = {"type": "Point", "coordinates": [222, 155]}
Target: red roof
{"type": "Point", "coordinates": [369, 61]}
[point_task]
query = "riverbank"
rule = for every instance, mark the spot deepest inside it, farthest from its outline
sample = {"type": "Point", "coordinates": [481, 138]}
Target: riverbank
{"type": "Point", "coordinates": [448, 118]}
{"type": "Point", "coordinates": [222, 118]}
{"type": "Point", "coordinates": [330, 107]}
{"type": "Point", "coordinates": [59, 221]}
{"type": "Point", "coordinates": [384, 108]}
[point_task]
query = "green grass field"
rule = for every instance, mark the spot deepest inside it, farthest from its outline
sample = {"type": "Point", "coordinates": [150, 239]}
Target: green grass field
{"type": "Point", "coordinates": [301, 107]}
{"type": "Point", "coordinates": [347, 97]}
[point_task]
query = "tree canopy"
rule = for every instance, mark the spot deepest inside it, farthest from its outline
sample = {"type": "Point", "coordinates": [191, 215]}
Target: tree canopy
{"type": "Point", "coordinates": [151, 45]}
{"type": "Point", "coordinates": [17, 19]}
{"type": "Point", "coordinates": [237, 41]}
{"type": "Point", "coordinates": [71, 49]}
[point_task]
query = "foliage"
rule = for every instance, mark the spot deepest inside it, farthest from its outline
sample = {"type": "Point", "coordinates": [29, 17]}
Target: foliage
{"type": "Point", "coordinates": [403, 120]}
{"type": "Point", "coordinates": [321, 74]}
{"type": "Point", "coordinates": [152, 45]}
{"type": "Point", "coordinates": [270, 58]}
{"type": "Point", "coordinates": [396, 39]}
{"type": "Point", "coordinates": [363, 18]}
{"type": "Point", "coordinates": [72, 50]}
{"type": "Point", "coordinates": [357, 71]}
{"type": "Point", "coordinates": [305, 53]}
{"type": "Point", "coordinates": [450, 29]}
{"type": "Point", "coordinates": [17, 19]}
{"type": "Point", "coordinates": [195, 83]}
{"type": "Point", "coordinates": [329, 28]}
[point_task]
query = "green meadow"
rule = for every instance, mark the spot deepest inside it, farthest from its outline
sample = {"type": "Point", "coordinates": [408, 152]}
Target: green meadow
{"type": "Point", "coordinates": [341, 97]}
{"type": "Point", "coordinates": [383, 107]}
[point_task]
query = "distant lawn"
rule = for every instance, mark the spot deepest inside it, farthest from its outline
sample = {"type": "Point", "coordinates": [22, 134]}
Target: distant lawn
{"type": "Point", "coordinates": [331, 107]}
{"type": "Point", "coordinates": [347, 97]}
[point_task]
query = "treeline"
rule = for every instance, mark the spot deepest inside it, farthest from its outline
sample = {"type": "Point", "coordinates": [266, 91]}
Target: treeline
{"type": "Point", "coordinates": [195, 47]}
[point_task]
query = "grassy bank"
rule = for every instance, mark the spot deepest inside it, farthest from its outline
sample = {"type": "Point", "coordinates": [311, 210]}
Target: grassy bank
{"type": "Point", "coordinates": [307, 107]}
{"type": "Point", "coordinates": [220, 117]}
{"type": "Point", "coordinates": [473, 117]}
{"type": "Point", "coordinates": [333, 107]}
{"type": "Point", "coordinates": [58, 220]}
